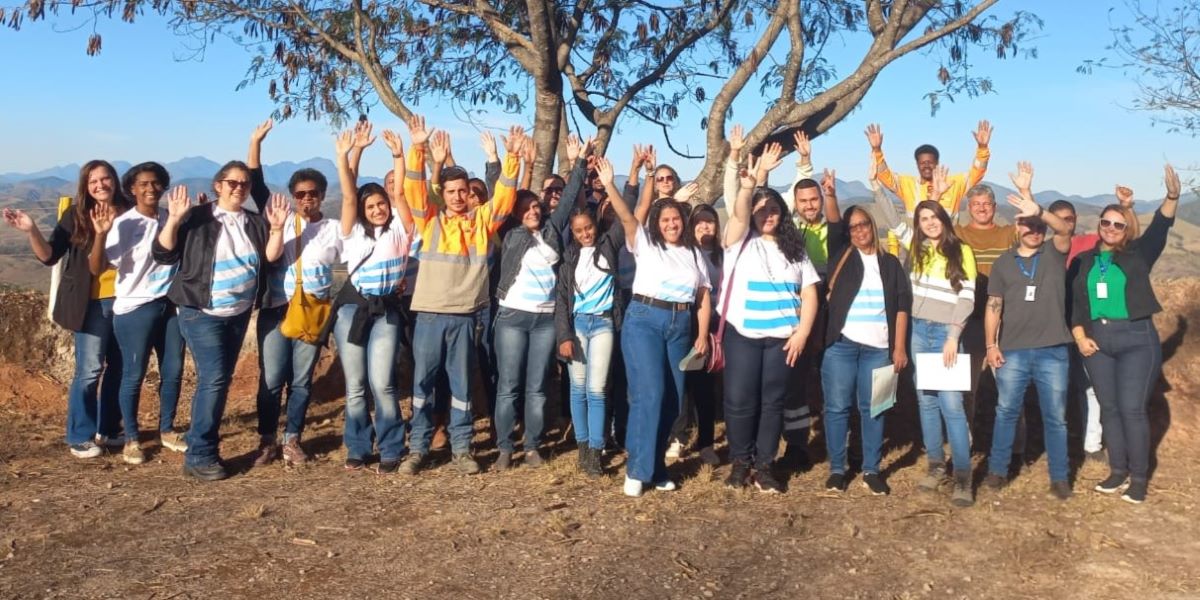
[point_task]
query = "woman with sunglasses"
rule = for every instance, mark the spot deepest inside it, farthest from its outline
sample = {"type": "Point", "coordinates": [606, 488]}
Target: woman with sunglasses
{"type": "Point", "coordinates": [1112, 302]}
{"type": "Point", "coordinates": [222, 252]}
{"type": "Point", "coordinates": [657, 331]}
{"type": "Point", "coordinates": [83, 304]}
{"type": "Point", "coordinates": [942, 272]}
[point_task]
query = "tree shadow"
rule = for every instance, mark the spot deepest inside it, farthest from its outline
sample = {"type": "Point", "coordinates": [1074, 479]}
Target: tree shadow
{"type": "Point", "coordinates": [1157, 408]}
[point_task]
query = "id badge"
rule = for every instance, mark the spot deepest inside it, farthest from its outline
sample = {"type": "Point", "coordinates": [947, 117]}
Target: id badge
{"type": "Point", "coordinates": [1030, 293]}
{"type": "Point", "coordinates": [1102, 290]}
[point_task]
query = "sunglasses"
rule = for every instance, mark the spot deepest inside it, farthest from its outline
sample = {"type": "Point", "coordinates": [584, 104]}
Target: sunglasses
{"type": "Point", "coordinates": [553, 190]}
{"type": "Point", "coordinates": [860, 225]}
{"type": "Point", "coordinates": [1118, 225]}
{"type": "Point", "coordinates": [306, 194]}
{"type": "Point", "coordinates": [663, 178]}
{"type": "Point", "coordinates": [236, 184]}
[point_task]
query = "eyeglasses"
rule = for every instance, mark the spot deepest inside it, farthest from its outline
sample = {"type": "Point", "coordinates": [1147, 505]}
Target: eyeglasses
{"type": "Point", "coordinates": [553, 190]}
{"type": "Point", "coordinates": [1118, 225]}
{"type": "Point", "coordinates": [236, 184]}
{"type": "Point", "coordinates": [306, 194]}
{"type": "Point", "coordinates": [860, 225]}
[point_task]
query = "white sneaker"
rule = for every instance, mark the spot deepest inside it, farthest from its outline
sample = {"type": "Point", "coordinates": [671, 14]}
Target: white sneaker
{"type": "Point", "coordinates": [110, 442]}
{"type": "Point", "coordinates": [709, 456]}
{"type": "Point", "coordinates": [666, 486]}
{"type": "Point", "coordinates": [173, 440]}
{"type": "Point", "coordinates": [133, 454]}
{"type": "Point", "coordinates": [633, 488]}
{"type": "Point", "coordinates": [86, 450]}
{"type": "Point", "coordinates": [675, 450]}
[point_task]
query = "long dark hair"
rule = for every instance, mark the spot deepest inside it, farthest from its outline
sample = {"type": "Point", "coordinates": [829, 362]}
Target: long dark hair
{"type": "Point", "coordinates": [81, 236]}
{"type": "Point", "coordinates": [787, 237]}
{"type": "Point", "coordinates": [716, 255]}
{"type": "Point", "coordinates": [687, 239]}
{"type": "Point", "coordinates": [584, 212]}
{"type": "Point", "coordinates": [948, 246]}
{"type": "Point", "coordinates": [366, 191]}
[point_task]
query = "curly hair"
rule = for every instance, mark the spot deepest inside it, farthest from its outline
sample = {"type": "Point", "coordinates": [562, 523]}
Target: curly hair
{"type": "Point", "coordinates": [686, 239]}
{"type": "Point", "coordinates": [787, 236]}
{"type": "Point", "coordinates": [948, 245]}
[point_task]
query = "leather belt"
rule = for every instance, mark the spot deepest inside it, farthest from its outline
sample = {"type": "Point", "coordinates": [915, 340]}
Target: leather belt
{"type": "Point", "coordinates": [656, 303]}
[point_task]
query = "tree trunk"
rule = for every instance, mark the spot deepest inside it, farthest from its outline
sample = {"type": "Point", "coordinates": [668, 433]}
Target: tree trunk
{"type": "Point", "coordinates": [547, 119]}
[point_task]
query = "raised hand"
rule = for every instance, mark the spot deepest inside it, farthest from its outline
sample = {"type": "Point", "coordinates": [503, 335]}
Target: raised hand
{"type": "Point", "coordinates": [344, 142]}
{"type": "Point", "coordinates": [1025, 205]}
{"type": "Point", "coordinates": [983, 134]}
{"type": "Point", "coordinates": [514, 142]}
{"type": "Point", "coordinates": [875, 136]}
{"type": "Point", "coordinates": [178, 203]}
{"type": "Point", "coordinates": [639, 156]}
{"type": "Point", "coordinates": [17, 219]}
{"type": "Point", "coordinates": [417, 131]}
{"type": "Point", "coordinates": [102, 217]}
{"type": "Point", "coordinates": [685, 193]}
{"type": "Point", "coordinates": [737, 140]}
{"type": "Point", "coordinates": [803, 144]}
{"type": "Point", "coordinates": [394, 143]}
{"type": "Point", "coordinates": [362, 135]}
{"type": "Point", "coordinates": [829, 182]}
{"type": "Point", "coordinates": [1171, 178]}
{"type": "Point", "coordinates": [771, 157]}
{"type": "Point", "coordinates": [488, 142]}
{"type": "Point", "coordinates": [1124, 196]}
{"type": "Point", "coordinates": [1023, 178]}
{"type": "Point", "coordinates": [439, 147]}
{"type": "Point", "coordinates": [574, 149]}
{"type": "Point", "coordinates": [277, 211]}
{"type": "Point", "coordinates": [651, 162]}
{"type": "Point", "coordinates": [528, 151]}
{"type": "Point", "coordinates": [746, 175]}
{"type": "Point", "coordinates": [260, 132]}
{"type": "Point", "coordinates": [941, 181]}
{"type": "Point", "coordinates": [604, 170]}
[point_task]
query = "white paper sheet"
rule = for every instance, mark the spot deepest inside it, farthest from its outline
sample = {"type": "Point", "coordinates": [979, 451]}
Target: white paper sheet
{"type": "Point", "coordinates": [883, 389]}
{"type": "Point", "coordinates": [932, 373]}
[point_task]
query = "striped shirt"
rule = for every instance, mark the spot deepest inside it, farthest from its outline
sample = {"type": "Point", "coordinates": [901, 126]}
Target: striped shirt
{"type": "Point", "coordinates": [139, 279]}
{"type": "Point", "coordinates": [594, 287]}
{"type": "Point", "coordinates": [866, 323]}
{"type": "Point", "coordinates": [235, 267]}
{"type": "Point", "coordinates": [934, 299]}
{"type": "Point", "coordinates": [764, 292]}
{"type": "Point", "coordinates": [533, 289]}
{"type": "Point", "coordinates": [987, 244]}
{"type": "Point", "coordinates": [383, 258]}
{"type": "Point", "coordinates": [320, 245]}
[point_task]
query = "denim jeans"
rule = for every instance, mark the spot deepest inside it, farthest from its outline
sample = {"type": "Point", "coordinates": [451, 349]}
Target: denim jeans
{"type": "Point", "coordinates": [756, 387]}
{"type": "Point", "coordinates": [594, 338]}
{"type": "Point", "coordinates": [92, 405]}
{"type": "Point", "coordinates": [151, 326]}
{"type": "Point", "coordinates": [215, 343]}
{"type": "Point", "coordinates": [1124, 372]}
{"type": "Point", "coordinates": [524, 347]}
{"type": "Point", "coordinates": [372, 364]}
{"type": "Point", "coordinates": [1047, 369]}
{"type": "Point", "coordinates": [936, 407]}
{"type": "Point", "coordinates": [654, 341]}
{"type": "Point", "coordinates": [847, 380]}
{"type": "Point", "coordinates": [281, 361]}
{"type": "Point", "coordinates": [443, 343]}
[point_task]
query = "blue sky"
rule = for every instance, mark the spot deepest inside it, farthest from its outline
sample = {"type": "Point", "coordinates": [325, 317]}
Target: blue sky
{"type": "Point", "coordinates": [136, 101]}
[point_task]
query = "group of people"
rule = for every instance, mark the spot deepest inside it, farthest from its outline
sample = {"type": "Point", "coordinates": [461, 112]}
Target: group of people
{"type": "Point", "coordinates": [641, 293]}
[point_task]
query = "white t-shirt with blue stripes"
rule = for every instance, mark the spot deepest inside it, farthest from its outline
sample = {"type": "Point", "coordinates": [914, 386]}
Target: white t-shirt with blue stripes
{"type": "Point", "coordinates": [593, 286]}
{"type": "Point", "coordinates": [235, 267]}
{"type": "Point", "coordinates": [320, 246]}
{"type": "Point", "coordinates": [866, 323]}
{"type": "Point", "coordinates": [139, 279]}
{"type": "Point", "coordinates": [672, 273]}
{"type": "Point", "coordinates": [764, 295]}
{"type": "Point", "coordinates": [384, 268]}
{"type": "Point", "coordinates": [533, 289]}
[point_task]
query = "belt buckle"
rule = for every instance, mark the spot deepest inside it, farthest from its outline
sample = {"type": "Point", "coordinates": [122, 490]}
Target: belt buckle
{"type": "Point", "coordinates": [1103, 321]}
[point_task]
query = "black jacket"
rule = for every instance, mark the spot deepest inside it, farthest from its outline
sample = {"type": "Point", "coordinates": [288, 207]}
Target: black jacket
{"type": "Point", "coordinates": [1135, 262]}
{"type": "Point", "coordinates": [519, 240]}
{"type": "Point", "coordinates": [193, 252]}
{"type": "Point", "coordinates": [608, 245]}
{"type": "Point", "coordinates": [75, 285]}
{"type": "Point", "coordinates": [897, 289]}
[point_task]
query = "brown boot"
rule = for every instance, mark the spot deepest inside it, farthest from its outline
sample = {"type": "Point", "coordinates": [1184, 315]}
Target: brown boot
{"type": "Point", "coordinates": [293, 454]}
{"type": "Point", "coordinates": [267, 453]}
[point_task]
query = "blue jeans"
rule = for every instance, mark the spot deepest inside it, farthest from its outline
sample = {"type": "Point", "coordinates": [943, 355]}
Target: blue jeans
{"type": "Point", "coordinates": [653, 341]}
{"type": "Point", "coordinates": [215, 343]}
{"type": "Point", "coordinates": [96, 353]}
{"type": "Point", "coordinates": [936, 407]}
{"type": "Point", "coordinates": [1124, 372]}
{"type": "Point", "coordinates": [524, 347]}
{"type": "Point", "coordinates": [589, 376]}
{"type": "Point", "coordinates": [1048, 369]}
{"type": "Point", "coordinates": [372, 364]}
{"type": "Point", "coordinates": [846, 381]}
{"type": "Point", "coordinates": [151, 326]}
{"type": "Point", "coordinates": [282, 360]}
{"type": "Point", "coordinates": [443, 343]}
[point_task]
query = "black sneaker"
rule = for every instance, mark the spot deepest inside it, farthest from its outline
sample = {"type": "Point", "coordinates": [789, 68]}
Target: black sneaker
{"type": "Point", "coordinates": [593, 467]}
{"type": "Point", "coordinates": [765, 481]}
{"type": "Point", "coordinates": [876, 484]}
{"type": "Point", "coordinates": [994, 481]}
{"type": "Point", "coordinates": [387, 467]}
{"type": "Point", "coordinates": [962, 496]}
{"type": "Point", "coordinates": [739, 473]}
{"type": "Point", "coordinates": [213, 472]}
{"type": "Point", "coordinates": [1135, 493]}
{"type": "Point", "coordinates": [355, 464]}
{"type": "Point", "coordinates": [795, 458]}
{"type": "Point", "coordinates": [1060, 490]}
{"type": "Point", "coordinates": [836, 483]}
{"type": "Point", "coordinates": [1114, 483]}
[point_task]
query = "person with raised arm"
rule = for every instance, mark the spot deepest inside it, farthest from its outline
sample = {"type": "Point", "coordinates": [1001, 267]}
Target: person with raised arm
{"type": "Point", "coordinates": [222, 252]}
{"type": "Point", "coordinates": [768, 301]}
{"type": "Point", "coordinates": [657, 332]}
{"type": "Point", "coordinates": [83, 305]}
{"type": "Point", "coordinates": [1026, 335]}
{"type": "Point", "coordinates": [451, 289]}
{"type": "Point", "coordinates": [143, 318]}
{"type": "Point", "coordinates": [1112, 302]}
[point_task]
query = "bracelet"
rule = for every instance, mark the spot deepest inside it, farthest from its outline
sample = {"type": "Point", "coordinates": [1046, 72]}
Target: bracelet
{"type": "Point", "coordinates": [1170, 198]}
{"type": "Point", "coordinates": [990, 346]}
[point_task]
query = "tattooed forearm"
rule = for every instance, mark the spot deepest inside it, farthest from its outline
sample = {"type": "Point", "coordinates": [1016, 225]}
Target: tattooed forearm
{"type": "Point", "coordinates": [995, 304]}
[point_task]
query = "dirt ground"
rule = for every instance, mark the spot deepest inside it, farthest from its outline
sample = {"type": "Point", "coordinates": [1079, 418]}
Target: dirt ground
{"type": "Point", "coordinates": [101, 528]}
